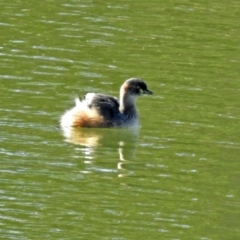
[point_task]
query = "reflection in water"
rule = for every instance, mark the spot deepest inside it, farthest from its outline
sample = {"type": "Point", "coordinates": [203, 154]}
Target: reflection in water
{"type": "Point", "coordinates": [124, 140]}
{"type": "Point", "coordinates": [78, 136]}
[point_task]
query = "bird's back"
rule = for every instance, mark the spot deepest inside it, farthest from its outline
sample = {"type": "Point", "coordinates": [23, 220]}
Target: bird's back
{"type": "Point", "coordinates": [108, 108]}
{"type": "Point", "coordinates": [94, 110]}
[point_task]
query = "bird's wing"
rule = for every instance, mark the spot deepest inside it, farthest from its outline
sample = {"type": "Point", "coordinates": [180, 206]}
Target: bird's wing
{"type": "Point", "coordinates": [107, 106]}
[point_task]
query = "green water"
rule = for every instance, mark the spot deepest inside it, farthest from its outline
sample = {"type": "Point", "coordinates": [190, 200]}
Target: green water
{"type": "Point", "coordinates": [177, 178]}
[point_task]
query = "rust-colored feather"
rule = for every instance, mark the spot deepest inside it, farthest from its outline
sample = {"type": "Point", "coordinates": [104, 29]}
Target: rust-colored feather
{"type": "Point", "coordinates": [87, 119]}
{"type": "Point", "coordinates": [82, 118]}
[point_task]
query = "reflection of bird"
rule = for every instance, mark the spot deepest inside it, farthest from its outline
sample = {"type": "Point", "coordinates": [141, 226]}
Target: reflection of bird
{"type": "Point", "coordinates": [85, 138]}
{"type": "Point", "coordinates": [90, 137]}
{"type": "Point", "coordinates": [122, 140]}
{"type": "Point", "coordinates": [101, 110]}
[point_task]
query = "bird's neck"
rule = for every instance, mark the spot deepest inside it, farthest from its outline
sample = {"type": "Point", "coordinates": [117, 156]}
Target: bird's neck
{"type": "Point", "coordinates": [127, 103]}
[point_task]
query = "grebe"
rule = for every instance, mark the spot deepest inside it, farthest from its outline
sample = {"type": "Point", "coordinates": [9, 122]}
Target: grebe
{"type": "Point", "coordinates": [101, 110]}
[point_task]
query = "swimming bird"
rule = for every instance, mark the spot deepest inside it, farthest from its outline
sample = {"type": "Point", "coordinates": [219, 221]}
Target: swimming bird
{"type": "Point", "coordinates": [98, 110]}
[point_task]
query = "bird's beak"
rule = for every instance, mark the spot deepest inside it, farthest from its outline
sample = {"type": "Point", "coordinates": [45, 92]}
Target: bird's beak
{"type": "Point", "coordinates": [147, 92]}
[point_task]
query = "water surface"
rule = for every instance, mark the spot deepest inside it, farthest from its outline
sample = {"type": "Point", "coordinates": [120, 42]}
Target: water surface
{"type": "Point", "coordinates": [177, 178]}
